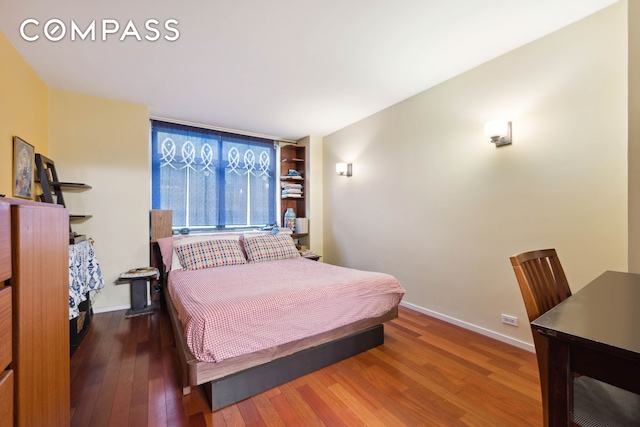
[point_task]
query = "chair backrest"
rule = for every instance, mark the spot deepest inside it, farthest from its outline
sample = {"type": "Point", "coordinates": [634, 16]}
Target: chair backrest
{"type": "Point", "coordinates": [543, 285]}
{"type": "Point", "coordinates": [542, 281]}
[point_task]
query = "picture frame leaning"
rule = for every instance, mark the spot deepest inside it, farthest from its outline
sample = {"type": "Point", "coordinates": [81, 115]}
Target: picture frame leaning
{"type": "Point", "coordinates": [23, 163]}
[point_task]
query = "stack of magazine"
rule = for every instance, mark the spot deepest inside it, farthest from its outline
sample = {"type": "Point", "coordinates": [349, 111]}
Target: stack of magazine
{"type": "Point", "coordinates": [308, 253]}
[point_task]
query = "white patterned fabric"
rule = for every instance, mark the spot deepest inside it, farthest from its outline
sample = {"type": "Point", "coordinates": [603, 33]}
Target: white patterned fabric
{"type": "Point", "coordinates": [240, 309]}
{"type": "Point", "coordinates": [84, 275]}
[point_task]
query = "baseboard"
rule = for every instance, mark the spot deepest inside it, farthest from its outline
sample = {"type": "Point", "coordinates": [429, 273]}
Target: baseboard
{"type": "Point", "coordinates": [440, 316]}
{"type": "Point", "coordinates": [482, 331]}
{"type": "Point", "coordinates": [112, 308]}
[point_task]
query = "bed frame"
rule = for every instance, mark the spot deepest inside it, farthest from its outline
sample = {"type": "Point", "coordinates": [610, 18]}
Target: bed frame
{"type": "Point", "coordinates": [241, 377]}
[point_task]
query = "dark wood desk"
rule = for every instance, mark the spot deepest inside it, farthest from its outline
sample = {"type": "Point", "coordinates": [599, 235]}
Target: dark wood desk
{"type": "Point", "coordinates": [595, 332]}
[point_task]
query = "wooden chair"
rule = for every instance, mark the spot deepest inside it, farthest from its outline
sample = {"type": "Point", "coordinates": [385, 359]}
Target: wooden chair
{"type": "Point", "coordinates": [543, 285]}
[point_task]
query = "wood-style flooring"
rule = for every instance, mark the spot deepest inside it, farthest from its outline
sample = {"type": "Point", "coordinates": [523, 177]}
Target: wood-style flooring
{"type": "Point", "coordinates": [427, 373]}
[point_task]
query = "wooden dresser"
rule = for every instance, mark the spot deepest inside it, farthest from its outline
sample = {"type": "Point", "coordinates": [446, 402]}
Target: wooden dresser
{"type": "Point", "coordinates": [39, 289]}
{"type": "Point", "coordinates": [6, 351]}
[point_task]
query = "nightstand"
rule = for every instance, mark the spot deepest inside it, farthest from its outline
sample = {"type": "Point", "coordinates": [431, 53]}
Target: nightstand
{"type": "Point", "coordinates": [139, 278]}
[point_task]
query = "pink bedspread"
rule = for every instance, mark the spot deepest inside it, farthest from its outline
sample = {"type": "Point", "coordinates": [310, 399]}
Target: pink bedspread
{"type": "Point", "coordinates": [234, 310]}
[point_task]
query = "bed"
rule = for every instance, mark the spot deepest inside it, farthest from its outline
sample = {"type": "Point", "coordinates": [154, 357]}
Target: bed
{"type": "Point", "coordinates": [249, 313]}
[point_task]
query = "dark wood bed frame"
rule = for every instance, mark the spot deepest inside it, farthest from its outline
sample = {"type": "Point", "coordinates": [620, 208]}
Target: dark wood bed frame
{"type": "Point", "coordinates": [241, 377]}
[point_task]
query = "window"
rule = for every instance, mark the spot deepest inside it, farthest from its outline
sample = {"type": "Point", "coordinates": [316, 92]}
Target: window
{"type": "Point", "coordinates": [212, 179]}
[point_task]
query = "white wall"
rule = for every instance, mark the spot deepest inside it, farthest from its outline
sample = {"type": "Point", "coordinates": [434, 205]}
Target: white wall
{"type": "Point", "coordinates": [634, 135]}
{"type": "Point", "coordinates": [434, 203]}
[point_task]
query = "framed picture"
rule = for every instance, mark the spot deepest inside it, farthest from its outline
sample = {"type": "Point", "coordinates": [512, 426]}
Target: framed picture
{"type": "Point", "coordinates": [23, 159]}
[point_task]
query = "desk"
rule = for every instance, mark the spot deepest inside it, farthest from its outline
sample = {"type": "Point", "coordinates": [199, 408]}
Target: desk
{"type": "Point", "coordinates": [594, 332]}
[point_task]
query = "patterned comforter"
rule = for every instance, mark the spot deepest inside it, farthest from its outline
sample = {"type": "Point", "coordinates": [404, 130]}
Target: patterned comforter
{"type": "Point", "coordinates": [234, 310]}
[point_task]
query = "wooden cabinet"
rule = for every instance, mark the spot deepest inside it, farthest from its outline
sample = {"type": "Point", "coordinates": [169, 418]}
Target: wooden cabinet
{"type": "Point", "coordinates": [6, 398]}
{"type": "Point", "coordinates": [5, 242]}
{"type": "Point", "coordinates": [293, 173]}
{"type": "Point", "coordinates": [6, 350]}
{"type": "Point", "coordinates": [39, 289]}
{"type": "Point", "coordinates": [6, 341]}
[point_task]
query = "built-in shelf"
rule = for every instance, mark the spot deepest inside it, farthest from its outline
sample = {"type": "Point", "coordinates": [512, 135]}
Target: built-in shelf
{"type": "Point", "coordinates": [293, 171]}
{"type": "Point", "coordinates": [78, 217]}
{"type": "Point", "coordinates": [69, 185]}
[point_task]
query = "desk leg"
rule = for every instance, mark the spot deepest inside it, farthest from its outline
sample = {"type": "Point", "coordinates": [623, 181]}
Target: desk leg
{"type": "Point", "coordinates": [139, 298]}
{"type": "Point", "coordinates": [560, 384]}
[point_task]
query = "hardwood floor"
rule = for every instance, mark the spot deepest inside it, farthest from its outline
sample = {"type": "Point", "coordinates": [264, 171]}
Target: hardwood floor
{"type": "Point", "coordinates": [427, 373]}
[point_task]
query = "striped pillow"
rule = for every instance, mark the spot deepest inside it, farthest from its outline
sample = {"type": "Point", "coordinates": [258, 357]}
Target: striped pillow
{"type": "Point", "coordinates": [270, 247]}
{"type": "Point", "coordinates": [210, 253]}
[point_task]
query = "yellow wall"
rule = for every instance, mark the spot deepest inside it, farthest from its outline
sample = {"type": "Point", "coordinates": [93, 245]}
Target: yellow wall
{"type": "Point", "coordinates": [101, 142]}
{"type": "Point", "coordinates": [433, 202]}
{"type": "Point", "coordinates": [24, 110]}
{"type": "Point", "coordinates": [105, 143]}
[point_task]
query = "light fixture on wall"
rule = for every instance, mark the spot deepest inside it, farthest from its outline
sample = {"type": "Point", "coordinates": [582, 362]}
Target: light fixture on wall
{"type": "Point", "coordinates": [499, 131]}
{"type": "Point", "coordinates": [344, 169]}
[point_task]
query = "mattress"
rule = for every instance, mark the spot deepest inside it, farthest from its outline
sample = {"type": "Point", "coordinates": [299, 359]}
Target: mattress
{"type": "Point", "coordinates": [234, 310]}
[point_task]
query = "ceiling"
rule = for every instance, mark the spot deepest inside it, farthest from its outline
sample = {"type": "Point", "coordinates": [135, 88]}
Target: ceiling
{"type": "Point", "coordinates": [284, 68]}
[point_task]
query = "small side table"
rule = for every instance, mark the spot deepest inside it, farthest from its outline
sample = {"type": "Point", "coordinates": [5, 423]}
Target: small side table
{"type": "Point", "coordinates": [139, 278]}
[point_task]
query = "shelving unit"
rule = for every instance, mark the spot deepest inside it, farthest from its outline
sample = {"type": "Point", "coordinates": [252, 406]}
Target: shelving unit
{"type": "Point", "coordinates": [52, 190]}
{"type": "Point", "coordinates": [293, 157]}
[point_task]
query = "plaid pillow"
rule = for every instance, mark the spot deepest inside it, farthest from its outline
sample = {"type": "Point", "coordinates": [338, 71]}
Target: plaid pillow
{"type": "Point", "coordinates": [210, 253]}
{"type": "Point", "coordinates": [270, 247]}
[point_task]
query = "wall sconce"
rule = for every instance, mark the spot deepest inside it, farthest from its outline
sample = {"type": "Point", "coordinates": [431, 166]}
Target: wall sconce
{"type": "Point", "coordinates": [499, 131]}
{"type": "Point", "coordinates": [344, 169]}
